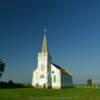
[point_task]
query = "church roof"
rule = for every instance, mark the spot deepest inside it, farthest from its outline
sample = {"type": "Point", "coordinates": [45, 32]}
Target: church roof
{"type": "Point", "coordinates": [62, 70]}
{"type": "Point", "coordinates": [44, 45]}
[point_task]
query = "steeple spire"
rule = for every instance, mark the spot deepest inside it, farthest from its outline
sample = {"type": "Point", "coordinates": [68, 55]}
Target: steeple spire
{"type": "Point", "coordinates": [44, 45]}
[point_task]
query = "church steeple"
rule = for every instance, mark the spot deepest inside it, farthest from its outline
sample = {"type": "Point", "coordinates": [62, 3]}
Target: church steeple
{"type": "Point", "coordinates": [44, 45]}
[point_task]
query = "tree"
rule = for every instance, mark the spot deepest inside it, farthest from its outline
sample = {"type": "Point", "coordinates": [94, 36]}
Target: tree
{"type": "Point", "coordinates": [2, 67]}
{"type": "Point", "coordinates": [89, 82]}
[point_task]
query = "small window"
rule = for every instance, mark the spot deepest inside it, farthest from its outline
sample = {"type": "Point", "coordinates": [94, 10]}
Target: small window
{"type": "Point", "coordinates": [54, 79]}
{"type": "Point", "coordinates": [52, 71]}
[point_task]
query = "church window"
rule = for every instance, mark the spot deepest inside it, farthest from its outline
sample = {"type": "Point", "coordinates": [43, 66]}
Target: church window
{"type": "Point", "coordinates": [52, 71]}
{"type": "Point", "coordinates": [54, 79]}
{"type": "Point", "coordinates": [41, 76]}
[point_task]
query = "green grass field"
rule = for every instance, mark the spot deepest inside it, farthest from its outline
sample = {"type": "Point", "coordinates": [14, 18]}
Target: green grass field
{"type": "Point", "coordinates": [49, 94]}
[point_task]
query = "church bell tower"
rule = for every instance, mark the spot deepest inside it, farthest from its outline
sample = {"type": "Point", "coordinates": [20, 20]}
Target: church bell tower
{"type": "Point", "coordinates": [44, 63]}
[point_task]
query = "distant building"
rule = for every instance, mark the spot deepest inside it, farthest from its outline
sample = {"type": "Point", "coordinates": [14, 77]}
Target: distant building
{"type": "Point", "coordinates": [48, 74]}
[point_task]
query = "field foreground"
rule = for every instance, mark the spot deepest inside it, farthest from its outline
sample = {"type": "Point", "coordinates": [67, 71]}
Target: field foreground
{"type": "Point", "coordinates": [49, 94]}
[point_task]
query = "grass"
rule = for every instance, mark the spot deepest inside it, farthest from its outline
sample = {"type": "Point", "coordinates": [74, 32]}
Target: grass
{"type": "Point", "coordinates": [49, 94]}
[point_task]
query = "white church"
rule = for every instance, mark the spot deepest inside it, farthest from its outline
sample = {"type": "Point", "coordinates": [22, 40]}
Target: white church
{"type": "Point", "coordinates": [48, 74]}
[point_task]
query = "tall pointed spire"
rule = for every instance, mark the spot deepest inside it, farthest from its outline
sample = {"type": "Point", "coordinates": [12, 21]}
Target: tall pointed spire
{"type": "Point", "coordinates": [44, 45]}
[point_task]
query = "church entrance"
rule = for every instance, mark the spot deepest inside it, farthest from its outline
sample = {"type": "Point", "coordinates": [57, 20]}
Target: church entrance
{"type": "Point", "coordinates": [37, 85]}
{"type": "Point", "coordinates": [44, 85]}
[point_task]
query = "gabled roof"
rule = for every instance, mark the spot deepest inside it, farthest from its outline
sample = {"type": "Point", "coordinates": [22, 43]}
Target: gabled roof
{"type": "Point", "coordinates": [62, 70]}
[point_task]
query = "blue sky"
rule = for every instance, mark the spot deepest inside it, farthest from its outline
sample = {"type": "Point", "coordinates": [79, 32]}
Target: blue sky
{"type": "Point", "coordinates": [73, 34]}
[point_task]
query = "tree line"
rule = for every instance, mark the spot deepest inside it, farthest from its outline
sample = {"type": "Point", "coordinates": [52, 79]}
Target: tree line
{"type": "Point", "coordinates": [2, 67]}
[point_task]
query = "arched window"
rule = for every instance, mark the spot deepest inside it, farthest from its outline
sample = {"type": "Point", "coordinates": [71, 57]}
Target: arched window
{"type": "Point", "coordinates": [54, 79]}
{"type": "Point", "coordinates": [41, 76]}
{"type": "Point", "coordinates": [52, 71]}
